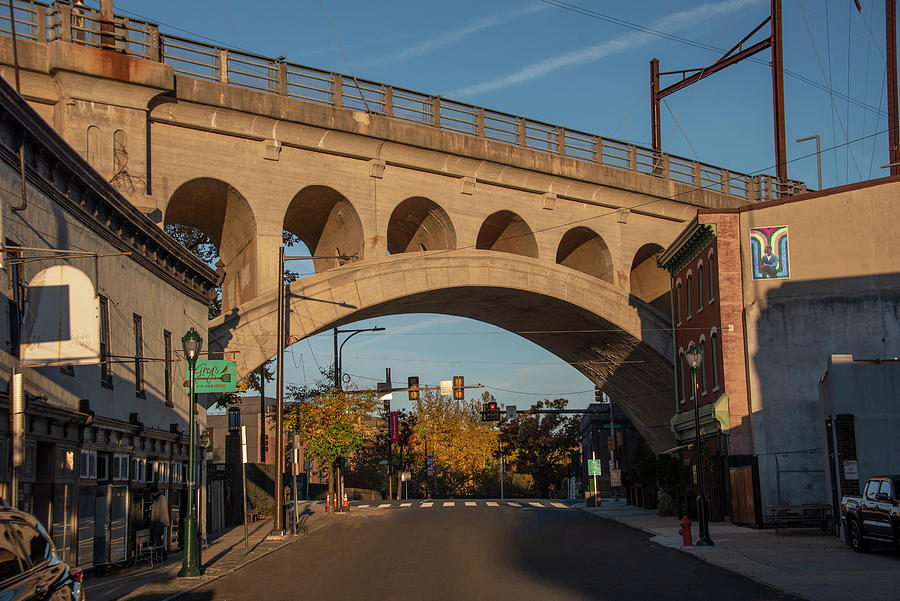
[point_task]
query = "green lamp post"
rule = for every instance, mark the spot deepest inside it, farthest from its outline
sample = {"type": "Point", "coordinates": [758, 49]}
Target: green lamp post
{"type": "Point", "coordinates": [191, 343]}
{"type": "Point", "coordinates": [694, 357]}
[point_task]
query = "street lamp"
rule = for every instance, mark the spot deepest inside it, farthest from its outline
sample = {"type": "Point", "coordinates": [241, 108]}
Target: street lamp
{"type": "Point", "coordinates": [338, 349]}
{"type": "Point", "coordinates": [191, 343]}
{"type": "Point", "coordinates": [694, 357]}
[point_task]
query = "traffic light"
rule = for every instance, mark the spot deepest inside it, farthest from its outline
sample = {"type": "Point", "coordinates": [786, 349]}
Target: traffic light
{"type": "Point", "coordinates": [413, 384]}
{"type": "Point", "coordinates": [598, 394]}
{"type": "Point", "coordinates": [490, 412]}
{"type": "Point", "coordinates": [620, 439]}
{"type": "Point", "coordinates": [459, 392]}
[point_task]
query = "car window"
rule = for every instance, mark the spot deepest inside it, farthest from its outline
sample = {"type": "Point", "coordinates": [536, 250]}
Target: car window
{"type": "Point", "coordinates": [33, 542]}
{"type": "Point", "coordinates": [886, 487]}
{"type": "Point", "coordinates": [9, 555]}
{"type": "Point", "coordinates": [871, 489]}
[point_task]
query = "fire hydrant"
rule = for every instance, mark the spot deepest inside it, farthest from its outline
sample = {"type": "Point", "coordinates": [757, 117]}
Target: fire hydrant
{"type": "Point", "coordinates": [685, 532]}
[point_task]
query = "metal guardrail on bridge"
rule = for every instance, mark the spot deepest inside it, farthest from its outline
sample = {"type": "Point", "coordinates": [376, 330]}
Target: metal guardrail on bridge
{"type": "Point", "coordinates": [78, 24]}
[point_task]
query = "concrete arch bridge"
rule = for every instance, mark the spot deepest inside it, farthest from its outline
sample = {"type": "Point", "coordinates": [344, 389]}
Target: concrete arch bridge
{"type": "Point", "coordinates": [447, 207]}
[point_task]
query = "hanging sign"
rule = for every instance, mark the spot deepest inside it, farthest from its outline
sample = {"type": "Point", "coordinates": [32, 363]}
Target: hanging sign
{"type": "Point", "coordinates": [395, 426]}
{"type": "Point", "coordinates": [214, 375]}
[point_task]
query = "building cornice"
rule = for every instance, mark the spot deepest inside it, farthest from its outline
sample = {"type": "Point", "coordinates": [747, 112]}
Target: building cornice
{"type": "Point", "coordinates": [60, 173]}
{"type": "Point", "coordinates": [692, 239]}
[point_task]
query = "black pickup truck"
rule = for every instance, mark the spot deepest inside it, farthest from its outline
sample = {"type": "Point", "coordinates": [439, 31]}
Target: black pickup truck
{"type": "Point", "coordinates": [875, 516]}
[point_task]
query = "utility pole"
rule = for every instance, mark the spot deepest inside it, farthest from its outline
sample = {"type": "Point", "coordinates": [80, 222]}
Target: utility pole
{"type": "Point", "coordinates": [612, 452]}
{"type": "Point", "coordinates": [890, 18]}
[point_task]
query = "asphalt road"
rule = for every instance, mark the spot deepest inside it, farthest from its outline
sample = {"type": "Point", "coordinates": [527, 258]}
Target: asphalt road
{"type": "Point", "coordinates": [481, 552]}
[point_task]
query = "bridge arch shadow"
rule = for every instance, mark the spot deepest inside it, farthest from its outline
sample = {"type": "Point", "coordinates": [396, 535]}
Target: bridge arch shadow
{"type": "Point", "coordinates": [505, 231]}
{"type": "Point", "coordinates": [419, 224]}
{"type": "Point", "coordinates": [327, 223]}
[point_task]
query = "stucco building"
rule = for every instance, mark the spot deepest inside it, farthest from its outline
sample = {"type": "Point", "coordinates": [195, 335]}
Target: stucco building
{"type": "Point", "coordinates": [97, 436]}
{"type": "Point", "coordinates": [769, 292]}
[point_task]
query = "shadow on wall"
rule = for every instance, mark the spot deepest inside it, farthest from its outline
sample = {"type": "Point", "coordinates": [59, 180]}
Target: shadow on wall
{"type": "Point", "coordinates": [791, 334]}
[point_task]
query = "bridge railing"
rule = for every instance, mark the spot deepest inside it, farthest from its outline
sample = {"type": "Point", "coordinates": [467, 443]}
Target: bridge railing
{"type": "Point", "coordinates": [78, 24]}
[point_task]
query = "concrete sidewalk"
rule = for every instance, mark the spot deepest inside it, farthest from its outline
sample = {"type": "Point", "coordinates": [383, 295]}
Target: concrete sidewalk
{"type": "Point", "coordinates": [223, 555]}
{"type": "Point", "coordinates": [801, 561]}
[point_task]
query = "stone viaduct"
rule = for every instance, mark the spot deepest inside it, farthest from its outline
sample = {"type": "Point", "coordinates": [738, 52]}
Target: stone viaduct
{"type": "Point", "coordinates": [445, 207]}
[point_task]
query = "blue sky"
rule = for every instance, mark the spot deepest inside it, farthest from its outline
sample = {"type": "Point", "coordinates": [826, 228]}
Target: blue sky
{"type": "Point", "coordinates": [583, 67]}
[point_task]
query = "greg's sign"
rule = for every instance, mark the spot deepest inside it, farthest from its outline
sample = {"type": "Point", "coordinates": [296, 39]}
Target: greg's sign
{"type": "Point", "coordinates": [214, 375]}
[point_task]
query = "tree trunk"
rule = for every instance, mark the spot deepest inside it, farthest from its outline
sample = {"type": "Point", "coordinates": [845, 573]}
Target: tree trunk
{"type": "Point", "coordinates": [329, 504]}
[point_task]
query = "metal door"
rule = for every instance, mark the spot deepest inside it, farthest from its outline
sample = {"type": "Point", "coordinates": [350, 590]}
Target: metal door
{"type": "Point", "coordinates": [101, 525]}
{"type": "Point", "coordinates": [118, 523]}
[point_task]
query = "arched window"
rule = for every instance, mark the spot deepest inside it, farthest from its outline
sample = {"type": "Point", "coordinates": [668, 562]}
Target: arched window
{"type": "Point", "coordinates": [688, 297]}
{"type": "Point", "coordinates": [703, 366]}
{"type": "Point", "coordinates": [120, 153]}
{"type": "Point", "coordinates": [712, 275]}
{"type": "Point", "coordinates": [678, 303]}
{"type": "Point", "coordinates": [714, 351]}
{"type": "Point", "coordinates": [700, 287]}
{"type": "Point", "coordinates": [93, 145]}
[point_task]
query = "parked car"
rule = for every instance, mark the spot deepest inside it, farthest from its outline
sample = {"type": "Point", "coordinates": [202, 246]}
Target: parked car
{"type": "Point", "coordinates": [30, 569]}
{"type": "Point", "coordinates": [875, 516]}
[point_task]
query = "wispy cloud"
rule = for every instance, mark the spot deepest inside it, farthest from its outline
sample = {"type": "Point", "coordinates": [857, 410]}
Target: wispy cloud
{"type": "Point", "coordinates": [669, 23]}
{"type": "Point", "coordinates": [457, 35]}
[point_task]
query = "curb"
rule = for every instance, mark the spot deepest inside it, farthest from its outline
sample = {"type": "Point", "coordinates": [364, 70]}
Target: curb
{"type": "Point", "coordinates": [242, 565]}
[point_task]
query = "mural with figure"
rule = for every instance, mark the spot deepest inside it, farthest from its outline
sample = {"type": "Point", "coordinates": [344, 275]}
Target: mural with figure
{"type": "Point", "coordinates": [769, 252]}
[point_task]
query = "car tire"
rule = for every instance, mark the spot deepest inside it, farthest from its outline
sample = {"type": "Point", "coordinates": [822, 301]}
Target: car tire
{"type": "Point", "coordinates": [855, 536]}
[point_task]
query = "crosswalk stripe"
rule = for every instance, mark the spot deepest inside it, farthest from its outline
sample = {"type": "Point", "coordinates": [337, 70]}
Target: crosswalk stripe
{"type": "Point", "coordinates": [362, 505]}
{"type": "Point", "coordinates": [383, 505]}
{"type": "Point", "coordinates": [536, 504]}
{"type": "Point", "coordinates": [470, 503]}
{"type": "Point", "coordinates": [512, 504]}
{"type": "Point", "coordinates": [405, 504]}
{"type": "Point", "coordinates": [560, 505]}
{"type": "Point", "coordinates": [449, 503]}
{"type": "Point", "coordinates": [427, 504]}
{"type": "Point", "coordinates": [491, 504]}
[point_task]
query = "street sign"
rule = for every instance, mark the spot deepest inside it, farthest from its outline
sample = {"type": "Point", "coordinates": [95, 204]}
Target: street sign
{"type": "Point", "coordinates": [511, 412]}
{"type": "Point", "coordinates": [446, 387]}
{"type": "Point", "coordinates": [595, 467]}
{"type": "Point", "coordinates": [214, 375]}
{"type": "Point", "coordinates": [615, 478]}
{"type": "Point", "coordinates": [405, 476]}
{"type": "Point", "coordinates": [503, 464]}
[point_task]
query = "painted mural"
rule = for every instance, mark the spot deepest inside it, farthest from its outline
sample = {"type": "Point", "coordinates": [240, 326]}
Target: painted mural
{"type": "Point", "coordinates": [769, 252]}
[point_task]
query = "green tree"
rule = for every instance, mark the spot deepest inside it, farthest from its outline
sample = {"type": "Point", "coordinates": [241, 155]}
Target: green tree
{"type": "Point", "coordinates": [541, 444]}
{"type": "Point", "coordinates": [333, 423]}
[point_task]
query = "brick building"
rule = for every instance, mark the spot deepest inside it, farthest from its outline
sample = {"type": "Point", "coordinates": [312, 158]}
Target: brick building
{"type": "Point", "coordinates": [769, 292]}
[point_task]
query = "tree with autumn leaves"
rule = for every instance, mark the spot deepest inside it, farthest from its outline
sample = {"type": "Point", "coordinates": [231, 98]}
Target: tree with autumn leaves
{"type": "Point", "coordinates": [332, 423]}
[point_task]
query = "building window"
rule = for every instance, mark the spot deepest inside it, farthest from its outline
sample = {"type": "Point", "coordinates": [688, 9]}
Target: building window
{"type": "Point", "coordinates": [714, 351]}
{"type": "Point", "coordinates": [703, 367]}
{"type": "Point", "coordinates": [88, 464]}
{"type": "Point", "coordinates": [102, 466]}
{"type": "Point", "coordinates": [138, 354]}
{"type": "Point", "coordinates": [678, 302]}
{"type": "Point", "coordinates": [699, 288]}
{"type": "Point", "coordinates": [688, 295]}
{"type": "Point", "coordinates": [120, 467]}
{"type": "Point", "coordinates": [167, 339]}
{"type": "Point", "coordinates": [681, 395]}
{"type": "Point", "coordinates": [105, 360]}
{"type": "Point", "coordinates": [712, 273]}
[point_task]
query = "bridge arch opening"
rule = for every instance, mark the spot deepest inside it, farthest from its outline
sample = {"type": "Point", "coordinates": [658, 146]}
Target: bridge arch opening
{"type": "Point", "coordinates": [326, 222]}
{"type": "Point", "coordinates": [419, 224]}
{"type": "Point", "coordinates": [649, 282]}
{"type": "Point", "coordinates": [585, 250]}
{"type": "Point", "coordinates": [218, 210]}
{"type": "Point", "coordinates": [505, 231]}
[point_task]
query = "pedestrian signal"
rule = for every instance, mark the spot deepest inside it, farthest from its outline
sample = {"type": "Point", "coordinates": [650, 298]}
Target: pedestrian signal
{"type": "Point", "coordinates": [413, 385]}
{"type": "Point", "coordinates": [459, 392]}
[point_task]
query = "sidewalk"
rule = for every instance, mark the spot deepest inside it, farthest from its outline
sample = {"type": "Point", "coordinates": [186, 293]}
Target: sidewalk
{"type": "Point", "coordinates": [801, 561]}
{"type": "Point", "coordinates": [223, 555]}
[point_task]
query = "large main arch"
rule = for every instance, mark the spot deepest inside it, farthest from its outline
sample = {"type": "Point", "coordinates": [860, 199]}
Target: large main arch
{"type": "Point", "coordinates": [608, 335]}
